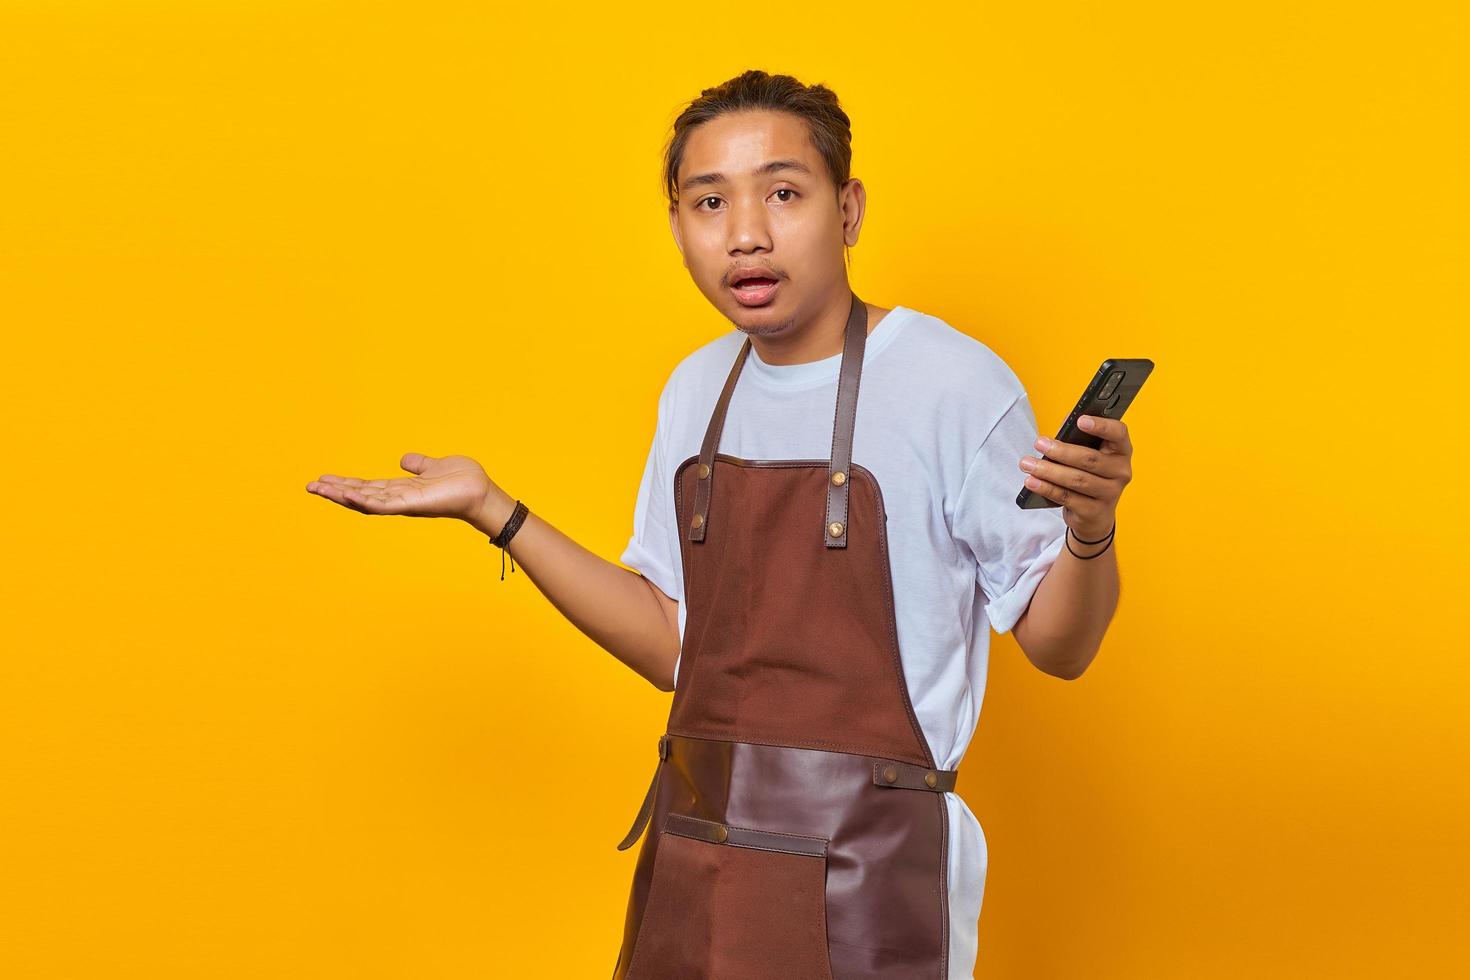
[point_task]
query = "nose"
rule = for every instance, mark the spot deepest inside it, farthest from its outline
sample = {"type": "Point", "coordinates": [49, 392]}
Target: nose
{"type": "Point", "coordinates": [746, 226]}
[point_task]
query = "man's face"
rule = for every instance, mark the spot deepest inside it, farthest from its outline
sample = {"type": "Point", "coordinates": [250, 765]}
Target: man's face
{"type": "Point", "coordinates": [755, 199]}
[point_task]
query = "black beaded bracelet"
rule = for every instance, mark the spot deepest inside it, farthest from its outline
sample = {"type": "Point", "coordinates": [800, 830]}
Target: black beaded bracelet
{"type": "Point", "coordinates": [1107, 537]}
{"type": "Point", "coordinates": [502, 540]}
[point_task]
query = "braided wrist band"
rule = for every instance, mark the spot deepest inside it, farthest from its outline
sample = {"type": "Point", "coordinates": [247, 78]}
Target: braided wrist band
{"type": "Point", "coordinates": [502, 540]}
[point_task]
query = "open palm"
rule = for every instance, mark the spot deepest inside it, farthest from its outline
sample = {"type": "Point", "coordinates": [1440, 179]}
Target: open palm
{"type": "Point", "coordinates": [443, 486]}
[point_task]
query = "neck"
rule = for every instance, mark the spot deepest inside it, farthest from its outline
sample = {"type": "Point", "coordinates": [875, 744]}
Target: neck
{"type": "Point", "coordinates": [815, 340]}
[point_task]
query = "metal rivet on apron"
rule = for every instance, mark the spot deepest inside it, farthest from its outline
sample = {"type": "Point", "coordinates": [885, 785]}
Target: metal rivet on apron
{"type": "Point", "coordinates": [698, 520]}
{"type": "Point", "coordinates": [721, 834]}
{"type": "Point", "coordinates": [835, 529]}
{"type": "Point", "coordinates": [890, 774]}
{"type": "Point", "coordinates": [931, 780]}
{"type": "Point", "coordinates": [839, 478]}
{"type": "Point", "coordinates": [703, 471]}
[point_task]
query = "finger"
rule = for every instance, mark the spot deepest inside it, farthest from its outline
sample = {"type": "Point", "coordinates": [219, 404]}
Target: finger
{"type": "Point", "coordinates": [416, 462]}
{"type": "Point", "coordinates": [1088, 507]}
{"type": "Point", "coordinates": [352, 481]}
{"type": "Point", "coordinates": [337, 493]}
{"type": "Point", "coordinates": [1071, 478]}
{"type": "Point", "coordinates": [1109, 465]}
{"type": "Point", "coordinates": [1112, 431]}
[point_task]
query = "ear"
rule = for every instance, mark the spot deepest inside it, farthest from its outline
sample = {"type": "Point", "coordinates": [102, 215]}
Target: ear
{"type": "Point", "coordinates": [674, 227]}
{"type": "Point", "coordinates": [853, 202]}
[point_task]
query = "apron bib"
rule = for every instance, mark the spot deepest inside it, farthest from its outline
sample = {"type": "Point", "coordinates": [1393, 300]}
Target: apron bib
{"type": "Point", "coordinates": [797, 822]}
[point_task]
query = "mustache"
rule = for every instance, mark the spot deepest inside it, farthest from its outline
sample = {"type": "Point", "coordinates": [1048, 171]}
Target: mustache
{"type": "Point", "coordinates": [746, 273]}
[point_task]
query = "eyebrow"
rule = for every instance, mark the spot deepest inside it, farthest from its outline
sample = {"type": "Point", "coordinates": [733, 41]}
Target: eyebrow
{"type": "Point", "coordinates": [765, 168]}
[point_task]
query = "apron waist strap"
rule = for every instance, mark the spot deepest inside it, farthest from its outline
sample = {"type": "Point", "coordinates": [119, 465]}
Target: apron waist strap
{"type": "Point", "coordinates": [646, 810]}
{"type": "Point", "coordinates": [902, 775]}
{"type": "Point", "coordinates": [886, 773]}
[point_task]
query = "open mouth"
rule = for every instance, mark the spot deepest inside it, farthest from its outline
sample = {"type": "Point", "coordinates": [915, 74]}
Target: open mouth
{"type": "Point", "coordinates": [754, 290]}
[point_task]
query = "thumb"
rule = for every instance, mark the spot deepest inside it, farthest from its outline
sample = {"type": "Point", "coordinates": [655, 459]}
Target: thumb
{"type": "Point", "coordinates": [415, 462]}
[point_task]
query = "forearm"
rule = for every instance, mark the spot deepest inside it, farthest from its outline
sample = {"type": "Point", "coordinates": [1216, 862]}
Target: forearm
{"type": "Point", "coordinates": [1070, 610]}
{"type": "Point", "coordinates": [613, 606]}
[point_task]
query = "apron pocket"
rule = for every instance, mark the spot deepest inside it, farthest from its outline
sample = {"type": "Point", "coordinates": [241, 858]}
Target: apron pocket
{"type": "Point", "coordinates": [732, 902]}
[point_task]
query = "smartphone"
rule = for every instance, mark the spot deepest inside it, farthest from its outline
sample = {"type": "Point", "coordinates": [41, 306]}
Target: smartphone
{"type": "Point", "coordinates": [1109, 394]}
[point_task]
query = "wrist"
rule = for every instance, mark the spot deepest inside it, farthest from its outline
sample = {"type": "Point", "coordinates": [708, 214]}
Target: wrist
{"type": "Point", "coordinates": [1101, 540]}
{"type": "Point", "coordinates": [1092, 532]}
{"type": "Point", "coordinates": [494, 510]}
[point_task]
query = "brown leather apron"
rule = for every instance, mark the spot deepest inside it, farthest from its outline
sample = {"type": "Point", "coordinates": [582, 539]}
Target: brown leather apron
{"type": "Point", "coordinates": [797, 822]}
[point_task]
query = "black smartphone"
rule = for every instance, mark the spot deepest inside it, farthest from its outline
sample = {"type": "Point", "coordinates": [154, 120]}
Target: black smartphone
{"type": "Point", "coordinates": [1109, 393]}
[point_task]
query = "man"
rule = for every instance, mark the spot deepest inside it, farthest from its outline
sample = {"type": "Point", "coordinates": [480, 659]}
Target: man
{"type": "Point", "coordinates": [818, 573]}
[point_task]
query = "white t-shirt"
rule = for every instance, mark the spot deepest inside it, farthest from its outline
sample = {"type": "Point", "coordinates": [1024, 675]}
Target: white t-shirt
{"type": "Point", "coordinates": [941, 423]}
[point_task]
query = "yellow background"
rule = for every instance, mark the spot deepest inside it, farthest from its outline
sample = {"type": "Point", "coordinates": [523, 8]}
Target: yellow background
{"type": "Point", "coordinates": [248, 733]}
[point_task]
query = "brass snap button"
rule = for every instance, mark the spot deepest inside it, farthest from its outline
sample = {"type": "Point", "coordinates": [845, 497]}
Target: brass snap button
{"type": "Point", "coordinates": [698, 520]}
{"type": "Point", "coordinates": [703, 471]}
{"type": "Point", "coordinates": [890, 774]}
{"type": "Point", "coordinates": [931, 780]}
{"type": "Point", "coordinates": [839, 478]}
{"type": "Point", "coordinates": [835, 529]}
{"type": "Point", "coordinates": [721, 834]}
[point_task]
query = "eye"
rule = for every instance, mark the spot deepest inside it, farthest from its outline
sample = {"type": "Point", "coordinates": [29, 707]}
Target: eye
{"type": "Point", "coordinates": [701, 201]}
{"type": "Point", "coordinates": [785, 190]}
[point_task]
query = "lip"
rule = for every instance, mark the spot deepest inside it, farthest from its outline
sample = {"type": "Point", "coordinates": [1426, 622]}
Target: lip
{"type": "Point", "coordinates": [751, 295]}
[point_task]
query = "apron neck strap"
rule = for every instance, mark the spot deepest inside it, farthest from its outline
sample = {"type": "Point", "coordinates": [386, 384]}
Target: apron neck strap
{"type": "Point", "coordinates": [834, 531]}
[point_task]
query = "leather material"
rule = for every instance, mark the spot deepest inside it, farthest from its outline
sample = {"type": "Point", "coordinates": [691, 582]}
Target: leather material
{"type": "Point", "coordinates": [646, 809]}
{"type": "Point", "coordinates": [900, 775]}
{"type": "Point", "coordinates": [778, 847]}
{"type": "Point", "coordinates": [765, 840]}
{"type": "Point", "coordinates": [854, 340]}
{"type": "Point", "coordinates": [886, 906]}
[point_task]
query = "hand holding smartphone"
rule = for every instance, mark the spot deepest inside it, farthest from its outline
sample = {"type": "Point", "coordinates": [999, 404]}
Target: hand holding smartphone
{"type": "Point", "coordinates": [1108, 394]}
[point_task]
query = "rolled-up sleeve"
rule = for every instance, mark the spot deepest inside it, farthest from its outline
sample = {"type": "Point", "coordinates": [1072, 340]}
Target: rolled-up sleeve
{"type": "Point", "coordinates": [1013, 548]}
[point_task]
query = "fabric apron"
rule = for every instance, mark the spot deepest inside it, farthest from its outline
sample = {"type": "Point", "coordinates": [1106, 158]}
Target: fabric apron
{"type": "Point", "coordinates": [797, 821]}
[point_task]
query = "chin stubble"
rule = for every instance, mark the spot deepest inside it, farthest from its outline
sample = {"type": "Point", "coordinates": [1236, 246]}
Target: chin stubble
{"type": "Point", "coordinates": [763, 330]}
